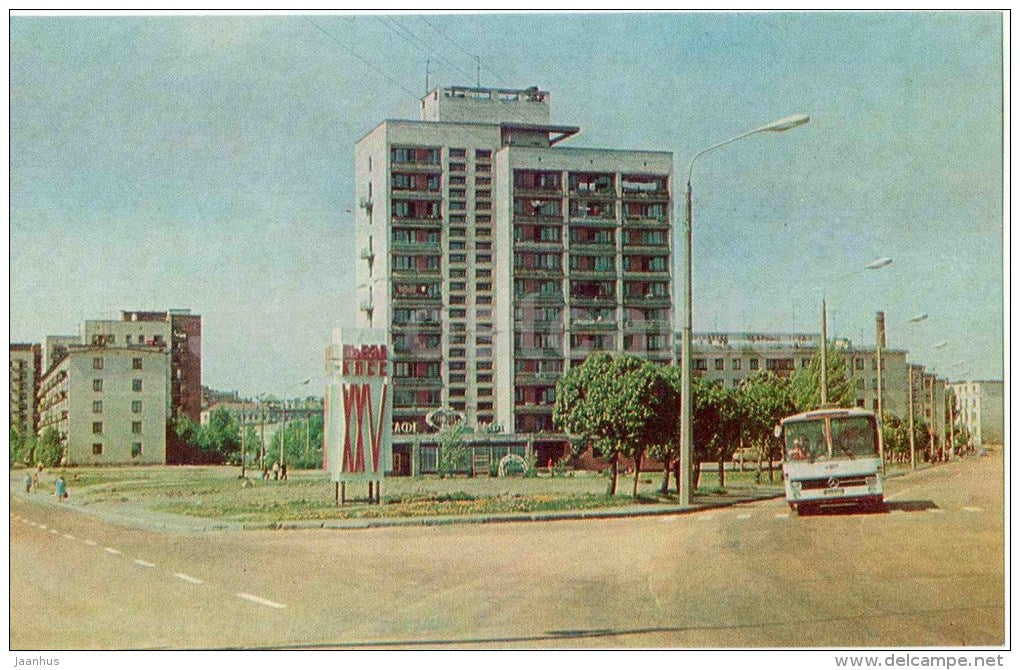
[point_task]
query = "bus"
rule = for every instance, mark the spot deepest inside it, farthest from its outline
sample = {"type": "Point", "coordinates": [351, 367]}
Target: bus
{"type": "Point", "coordinates": [831, 457]}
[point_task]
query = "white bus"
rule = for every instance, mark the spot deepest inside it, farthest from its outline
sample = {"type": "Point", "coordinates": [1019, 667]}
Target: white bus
{"type": "Point", "coordinates": [831, 457]}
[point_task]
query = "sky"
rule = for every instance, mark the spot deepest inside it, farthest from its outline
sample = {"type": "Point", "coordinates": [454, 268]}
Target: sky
{"type": "Point", "coordinates": [207, 163]}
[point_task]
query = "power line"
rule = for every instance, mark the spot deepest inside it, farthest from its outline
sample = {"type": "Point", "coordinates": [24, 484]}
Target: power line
{"type": "Point", "coordinates": [452, 41]}
{"type": "Point", "coordinates": [364, 61]}
{"type": "Point", "coordinates": [409, 37]}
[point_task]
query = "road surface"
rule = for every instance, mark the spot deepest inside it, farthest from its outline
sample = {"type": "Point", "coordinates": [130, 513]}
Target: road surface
{"type": "Point", "coordinates": [928, 571]}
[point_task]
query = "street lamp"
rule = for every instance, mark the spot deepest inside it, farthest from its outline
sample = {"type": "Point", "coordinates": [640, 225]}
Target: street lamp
{"type": "Point", "coordinates": [686, 405]}
{"type": "Point", "coordinates": [879, 345]}
{"type": "Point", "coordinates": [876, 264]}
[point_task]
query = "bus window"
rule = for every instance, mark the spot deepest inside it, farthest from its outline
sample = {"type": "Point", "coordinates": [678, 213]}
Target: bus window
{"type": "Point", "coordinates": [805, 441]}
{"type": "Point", "coordinates": [853, 437]}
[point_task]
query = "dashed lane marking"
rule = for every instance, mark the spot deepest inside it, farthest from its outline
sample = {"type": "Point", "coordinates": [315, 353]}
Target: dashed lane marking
{"type": "Point", "coordinates": [188, 578]}
{"type": "Point", "coordinates": [91, 543]}
{"type": "Point", "coordinates": [743, 517]}
{"type": "Point", "coordinates": [54, 531]}
{"type": "Point", "coordinates": [936, 510]}
{"type": "Point", "coordinates": [111, 550]}
{"type": "Point", "coordinates": [783, 515]}
{"type": "Point", "coordinates": [705, 517]}
{"type": "Point", "coordinates": [260, 601]}
{"type": "Point", "coordinates": [900, 494]}
{"type": "Point", "coordinates": [667, 519]}
{"type": "Point", "coordinates": [973, 509]}
{"type": "Point", "coordinates": [144, 564]}
{"type": "Point", "coordinates": [69, 537]}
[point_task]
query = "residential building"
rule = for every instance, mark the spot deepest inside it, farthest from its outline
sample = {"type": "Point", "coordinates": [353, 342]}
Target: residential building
{"type": "Point", "coordinates": [980, 407]}
{"type": "Point", "coordinates": [55, 347]}
{"type": "Point", "coordinates": [496, 259]}
{"type": "Point", "coordinates": [730, 358]}
{"type": "Point", "coordinates": [25, 372]}
{"type": "Point", "coordinates": [109, 405]}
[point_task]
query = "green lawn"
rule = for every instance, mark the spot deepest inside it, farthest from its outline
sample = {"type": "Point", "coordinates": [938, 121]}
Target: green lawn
{"type": "Point", "coordinates": [216, 492]}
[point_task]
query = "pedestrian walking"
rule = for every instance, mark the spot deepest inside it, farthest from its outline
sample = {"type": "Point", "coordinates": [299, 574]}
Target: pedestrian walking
{"type": "Point", "coordinates": [60, 486]}
{"type": "Point", "coordinates": [276, 470]}
{"type": "Point", "coordinates": [27, 480]}
{"type": "Point", "coordinates": [283, 472]}
{"type": "Point", "coordinates": [35, 481]}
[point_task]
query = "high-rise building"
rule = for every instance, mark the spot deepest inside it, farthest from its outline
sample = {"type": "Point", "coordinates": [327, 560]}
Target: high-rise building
{"type": "Point", "coordinates": [495, 258]}
{"type": "Point", "coordinates": [25, 371]}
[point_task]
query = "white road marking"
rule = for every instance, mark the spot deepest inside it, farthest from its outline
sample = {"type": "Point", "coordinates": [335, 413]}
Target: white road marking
{"type": "Point", "coordinates": [69, 537]}
{"type": "Point", "coordinates": [89, 542]}
{"type": "Point", "coordinates": [188, 578]}
{"type": "Point", "coordinates": [783, 515]}
{"type": "Point", "coordinates": [54, 531]}
{"type": "Point", "coordinates": [936, 510]}
{"type": "Point", "coordinates": [145, 564]}
{"type": "Point", "coordinates": [900, 494]}
{"type": "Point", "coordinates": [260, 601]}
{"type": "Point", "coordinates": [742, 517]}
{"type": "Point", "coordinates": [667, 519]}
{"type": "Point", "coordinates": [111, 550]}
{"type": "Point", "coordinates": [705, 517]}
{"type": "Point", "coordinates": [43, 526]}
{"type": "Point", "coordinates": [972, 509]}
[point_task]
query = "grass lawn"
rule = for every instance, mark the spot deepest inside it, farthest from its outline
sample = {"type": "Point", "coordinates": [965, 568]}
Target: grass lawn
{"type": "Point", "coordinates": [216, 492]}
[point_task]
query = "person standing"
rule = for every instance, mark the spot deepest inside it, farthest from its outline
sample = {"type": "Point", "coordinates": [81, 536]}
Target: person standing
{"type": "Point", "coordinates": [27, 480]}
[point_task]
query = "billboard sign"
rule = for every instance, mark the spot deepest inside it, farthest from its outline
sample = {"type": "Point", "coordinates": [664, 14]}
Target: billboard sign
{"type": "Point", "coordinates": [358, 407]}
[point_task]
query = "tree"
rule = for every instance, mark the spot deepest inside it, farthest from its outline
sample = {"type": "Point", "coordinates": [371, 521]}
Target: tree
{"type": "Point", "coordinates": [895, 438]}
{"type": "Point", "coordinates": [807, 385]}
{"type": "Point", "coordinates": [452, 452]}
{"type": "Point", "coordinates": [221, 436]}
{"type": "Point", "coordinates": [716, 424]}
{"type": "Point", "coordinates": [765, 399]}
{"type": "Point", "coordinates": [617, 403]}
{"type": "Point", "coordinates": [302, 443]}
{"type": "Point", "coordinates": [16, 445]}
{"type": "Point", "coordinates": [48, 449]}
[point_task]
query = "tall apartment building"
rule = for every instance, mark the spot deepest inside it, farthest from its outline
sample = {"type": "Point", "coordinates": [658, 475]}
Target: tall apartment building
{"type": "Point", "coordinates": [25, 371]}
{"type": "Point", "coordinates": [496, 259]}
{"type": "Point", "coordinates": [980, 407]}
{"type": "Point", "coordinates": [108, 404]}
{"type": "Point", "coordinates": [730, 358]}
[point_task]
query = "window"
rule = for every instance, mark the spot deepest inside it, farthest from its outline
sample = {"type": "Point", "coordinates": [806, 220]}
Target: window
{"type": "Point", "coordinates": [804, 362]}
{"type": "Point", "coordinates": [97, 384]}
{"type": "Point", "coordinates": [97, 427]}
{"type": "Point", "coordinates": [754, 364]}
{"type": "Point", "coordinates": [735, 364]}
{"type": "Point", "coordinates": [483, 154]}
{"type": "Point", "coordinates": [860, 384]}
{"type": "Point", "coordinates": [458, 153]}
{"type": "Point", "coordinates": [700, 364]}
{"type": "Point", "coordinates": [136, 364]}
{"type": "Point", "coordinates": [859, 364]}
{"type": "Point", "coordinates": [97, 406]}
{"type": "Point", "coordinates": [97, 448]}
{"type": "Point", "coordinates": [136, 427]}
{"type": "Point", "coordinates": [97, 363]}
{"type": "Point", "coordinates": [136, 384]}
{"type": "Point", "coordinates": [136, 450]}
{"type": "Point", "coordinates": [720, 363]}
{"type": "Point", "coordinates": [136, 406]}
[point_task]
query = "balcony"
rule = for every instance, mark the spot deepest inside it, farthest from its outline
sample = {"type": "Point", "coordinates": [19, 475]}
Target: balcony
{"type": "Point", "coordinates": [599, 194]}
{"type": "Point", "coordinates": [646, 274]}
{"type": "Point", "coordinates": [422, 354]}
{"type": "Point", "coordinates": [592, 247]}
{"type": "Point", "coordinates": [647, 300]}
{"type": "Point", "coordinates": [417, 326]}
{"type": "Point", "coordinates": [537, 298]}
{"type": "Point", "coordinates": [418, 382]}
{"type": "Point", "coordinates": [539, 219]}
{"type": "Point", "coordinates": [538, 245]}
{"type": "Point", "coordinates": [417, 247]}
{"type": "Point", "coordinates": [650, 248]}
{"type": "Point", "coordinates": [525, 326]}
{"type": "Point", "coordinates": [414, 273]}
{"type": "Point", "coordinates": [641, 326]}
{"type": "Point", "coordinates": [542, 353]}
{"type": "Point", "coordinates": [646, 196]}
{"type": "Point", "coordinates": [534, 408]}
{"type": "Point", "coordinates": [645, 221]}
{"type": "Point", "coordinates": [435, 223]}
{"type": "Point", "coordinates": [537, 273]}
{"type": "Point", "coordinates": [533, 378]}
{"type": "Point", "coordinates": [592, 325]}
{"type": "Point", "coordinates": [430, 168]}
{"type": "Point", "coordinates": [538, 192]}
{"type": "Point", "coordinates": [396, 194]}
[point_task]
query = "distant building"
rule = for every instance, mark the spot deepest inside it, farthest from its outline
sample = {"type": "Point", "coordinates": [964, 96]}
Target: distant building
{"type": "Point", "coordinates": [109, 405]}
{"type": "Point", "coordinates": [980, 407]}
{"type": "Point", "coordinates": [730, 358]}
{"type": "Point", "coordinates": [55, 347]}
{"type": "Point", "coordinates": [25, 372]}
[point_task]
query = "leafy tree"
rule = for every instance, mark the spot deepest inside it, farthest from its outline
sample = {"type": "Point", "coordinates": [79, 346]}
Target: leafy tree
{"type": "Point", "coordinates": [16, 446]}
{"type": "Point", "coordinates": [806, 382]}
{"type": "Point", "coordinates": [667, 450]}
{"type": "Point", "coordinates": [716, 425]}
{"type": "Point", "coordinates": [194, 442]}
{"type": "Point", "coordinates": [48, 449]}
{"type": "Point", "coordinates": [620, 404]}
{"type": "Point", "coordinates": [222, 436]}
{"type": "Point", "coordinates": [765, 399]}
{"type": "Point", "coordinates": [302, 443]}
{"type": "Point", "coordinates": [452, 452]}
{"type": "Point", "coordinates": [895, 438]}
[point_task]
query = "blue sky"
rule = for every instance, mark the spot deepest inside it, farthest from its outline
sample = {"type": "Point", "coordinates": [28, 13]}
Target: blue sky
{"type": "Point", "coordinates": [206, 162]}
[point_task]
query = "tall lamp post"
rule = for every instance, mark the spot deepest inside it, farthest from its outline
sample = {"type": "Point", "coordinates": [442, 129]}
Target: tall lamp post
{"type": "Point", "coordinates": [880, 337]}
{"type": "Point", "coordinates": [686, 405]}
{"type": "Point", "coordinates": [823, 381]}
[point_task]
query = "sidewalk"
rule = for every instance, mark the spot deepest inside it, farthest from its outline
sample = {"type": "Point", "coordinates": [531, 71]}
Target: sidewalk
{"type": "Point", "coordinates": [137, 516]}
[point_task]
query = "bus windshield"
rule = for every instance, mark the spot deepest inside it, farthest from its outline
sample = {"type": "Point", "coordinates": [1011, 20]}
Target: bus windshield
{"type": "Point", "coordinates": [831, 438]}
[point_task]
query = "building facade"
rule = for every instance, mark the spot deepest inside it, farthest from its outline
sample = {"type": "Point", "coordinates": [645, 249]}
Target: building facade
{"type": "Point", "coordinates": [109, 405]}
{"type": "Point", "coordinates": [495, 259]}
{"type": "Point", "coordinates": [730, 358]}
{"type": "Point", "coordinates": [25, 371]}
{"type": "Point", "coordinates": [980, 407]}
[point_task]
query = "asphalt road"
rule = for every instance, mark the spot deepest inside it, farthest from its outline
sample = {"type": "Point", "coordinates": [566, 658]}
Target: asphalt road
{"type": "Point", "coordinates": [927, 572]}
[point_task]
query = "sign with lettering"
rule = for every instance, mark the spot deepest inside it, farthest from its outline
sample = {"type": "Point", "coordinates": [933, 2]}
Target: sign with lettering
{"type": "Point", "coordinates": [358, 435]}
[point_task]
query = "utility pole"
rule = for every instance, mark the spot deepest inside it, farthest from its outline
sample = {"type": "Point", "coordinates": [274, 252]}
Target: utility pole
{"type": "Point", "coordinates": [931, 422]}
{"type": "Point", "coordinates": [283, 435]}
{"type": "Point", "coordinates": [244, 411]}
{"type": "Point", "coordinates": [262, 435]}
{"type": "Point", "coordinates": [879, 343]}
{"type": "Point", "coordinates": [910, 414]}
{"type": "Point", "coordinates": [825, 358]}
{"type": "Point", "coordinates": [478, 71]}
